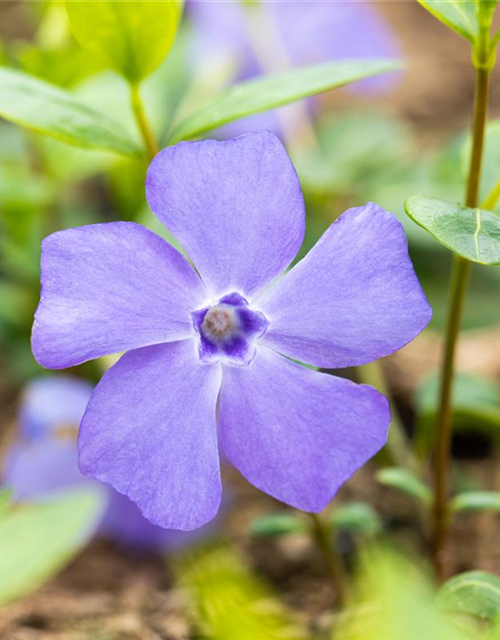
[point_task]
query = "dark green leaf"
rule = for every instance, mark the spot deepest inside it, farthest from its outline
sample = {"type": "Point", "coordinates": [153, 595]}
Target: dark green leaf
{"type": "Point", "coordinates": [476, 501]}
{"type": "Point", "coordinates": [276, 90]}
{"type": "Point", "coordinates": [458, 15]}
{"type": "Point", "coordinates": [36, 541]}
{"type": "Point", "coordinates": [475, 405]}
{"type": "Point", "coordinates": [46, 109]}
{"type": "Point", "coordinates": [356, 517]}
{"type": "Point", "coordinates": [406, 482]}
{"type": "Point", "coordinates": [276, 525]}
{"type": "Point", "coordinates": [132, 37]}
{"type": "Point", "coordinates": [473, 234]}
{"type": "Point", "coordinates": [475, 592]}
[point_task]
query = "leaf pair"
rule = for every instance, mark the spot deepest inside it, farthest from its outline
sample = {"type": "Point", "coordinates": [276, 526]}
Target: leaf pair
{"type": "Point", "coordinates": [465, 17]}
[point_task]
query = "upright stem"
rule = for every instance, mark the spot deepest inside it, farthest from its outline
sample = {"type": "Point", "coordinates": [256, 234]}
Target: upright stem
{"type": "Point", "coordinates": [142, 121]}
{"type": "Point", "coordinates": [458, 286]}
{"type": "Point", "coordinates": [328, 547]}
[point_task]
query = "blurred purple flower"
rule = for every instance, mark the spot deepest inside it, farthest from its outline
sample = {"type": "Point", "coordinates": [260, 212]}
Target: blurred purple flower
{"type": "Point", "coordinates": [45, 460]}
{"type": "Point", "coordinates": [208, 350]}
{"type": "Point", "coordinates": [306, 32]}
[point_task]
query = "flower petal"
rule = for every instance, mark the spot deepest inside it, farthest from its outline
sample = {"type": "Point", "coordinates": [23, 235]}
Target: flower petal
{"type": "Point", "coordinates": [35, 470]}
{"type": "Point", "coordinates": [108, 288]}
{"type": "Point", "coordinates": [53, 403]}
{"type": "Point", "coordinates": [150, 432]}
{"type": "Point", "coordinates": [235, 206]}
{"type": "Point", "coordinates": [354, 298]}
{"type": "Point", "coordinates": [295, 433]}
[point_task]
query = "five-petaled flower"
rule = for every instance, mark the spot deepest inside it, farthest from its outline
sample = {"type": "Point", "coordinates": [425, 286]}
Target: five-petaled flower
{"type": "Point", "coordinates": [210, 350]}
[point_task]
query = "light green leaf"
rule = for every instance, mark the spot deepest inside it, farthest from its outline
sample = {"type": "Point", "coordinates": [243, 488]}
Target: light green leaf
{"type": "Point", "coordinates": [36, 541]}
{"type": "Point", "coordinates": [46, 109]}
{"type": "Point", "coordinates": [471, 233]}
{"type": "Point", "coordinates": [474, 592]}
{"type": "Point", "coordinates": [406, 482]}
{"type": "Point", "coordinates": [5, 501]}
{"type": "Point", "coordinates": [230, 601]}
{"type": "Point", "coordinates": [458, 15]}
{"type": "Point", "coordinates": [485, 12]}
{"type": "Point", "coordinates": [476, 501]}
{"type": "Point", "coordinates": [276, 525]}
{"type": "Point", "coordinates": [356, 517]}
{"type": "Point", "coordinates": [276, 90]}
{"type": "Point", "coordinates": [132, 37]}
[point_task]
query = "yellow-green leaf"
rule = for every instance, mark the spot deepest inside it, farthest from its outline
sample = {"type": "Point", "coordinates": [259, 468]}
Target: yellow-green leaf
{"type": "Point", "coordinates": [132, 37]}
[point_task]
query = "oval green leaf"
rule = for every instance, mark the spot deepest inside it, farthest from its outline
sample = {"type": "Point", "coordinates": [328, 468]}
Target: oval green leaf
{"type": "Point", "coordinates": [276, 90]}
{"type": "Point", "coordinates": [356, 517]}
{"type": "Point", "coordinates": [474, 592]}
{"type": "Point", "coordinates": [46, 109]}
{"type": "Point", "coordinates": [476, 501]}
{"type": "Point", "coordinates": [459, 15]}
{"type": "Point", "coordinates": [37, 540]}
{"type": "Point", "coordinates": [406, 482]}
{"type": "Point", "coordinates": [276, 525]}
{"type": "Point", "coordinates": [473, 234]}
{"type": "Point", "coordinates": [132, 38]}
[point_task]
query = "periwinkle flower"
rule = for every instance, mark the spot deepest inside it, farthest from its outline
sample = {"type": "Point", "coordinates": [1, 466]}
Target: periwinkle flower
{"type": "Point", "coordinates": [44, 460]}
{"type": "Point", "coordinates": [209, 350]}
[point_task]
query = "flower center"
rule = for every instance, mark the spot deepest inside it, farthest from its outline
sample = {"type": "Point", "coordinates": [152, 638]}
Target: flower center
{"type": "Point", "coordinates": [219, 323]}
{"type": "Point", "coordinates": [229, 331]}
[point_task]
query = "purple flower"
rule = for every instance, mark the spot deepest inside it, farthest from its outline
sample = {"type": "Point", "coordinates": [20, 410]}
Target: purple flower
{"type": "Point", "coordinates": [208, 360]}
{"type": "Point", "coordinates": [44, 460]}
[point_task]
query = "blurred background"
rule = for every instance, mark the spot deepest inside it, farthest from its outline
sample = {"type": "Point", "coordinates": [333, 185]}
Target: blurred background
{"type": "Point", "coordinates": [378, 140]}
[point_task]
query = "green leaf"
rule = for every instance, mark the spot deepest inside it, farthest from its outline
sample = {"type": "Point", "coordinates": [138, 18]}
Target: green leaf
{"type": "Point", "coordinates": [37, 540]}
{"type": "Point", "coordinates": [132, 37]}
{"type": "Point", "coordinates": [46, 109]}
{"type": "Point", "coordinates": [406, 482]}
{"type": "Point", "coordinates": [485, 12]}
{"type": "Point", "coordinates": [458, 15]}
{"type": "Point", "coordinates": [475, 405]}
{"type": "Point", "coordinates": [474, 592]}
{"type": "Point", "coordinates": [476, 501]}
{"type": "Point", "coordinates": [276, 525]}
{"type": "Point", "coordinates": [5, 501]}
{"type": "Point", "coordinates": [230, 601]}
{"type": "Point", "coordinates": [356, 517]}
{"type": "Point", "coordinates": [276, 90]}
{"type": "Point", "coordinates": [473, 234]}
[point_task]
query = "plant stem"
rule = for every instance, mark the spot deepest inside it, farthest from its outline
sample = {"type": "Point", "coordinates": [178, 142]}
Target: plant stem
{"type": "Point", "coordinates": [458, 286]}
{"type": "Point", "coordinates": [325, 541]}
{"type": "Point", "coordinates": [150, 143]}
{"type": "Point", "coordinates": [492, 198]}
{"type": "Point", "coordinates": [397, 441]}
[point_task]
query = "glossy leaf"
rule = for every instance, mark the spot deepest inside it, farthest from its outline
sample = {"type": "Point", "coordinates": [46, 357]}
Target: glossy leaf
{"type": "Point", "coordinates": [276, 525]}
{"type": "Point", "coordinates": [37, 540]}
{"type": "Point", "coordinates": [356, 517]}
{"type": "Point", "coordinates": [458, 15]}
{"type": "Point", "coordinates": [476, 501]}
{"type": "Point", "coordinates": [473, 234]}
{"type": "Point", "coordinates": [133, 37]}
{"type": "Point", "coordinates": [276, 90]}
{"type": "Point", "coordinates": [474, 592]}
{"type": "Point", "coordinates": [46, 109]}
{"type": "Point", "coordinates": [406, 482]}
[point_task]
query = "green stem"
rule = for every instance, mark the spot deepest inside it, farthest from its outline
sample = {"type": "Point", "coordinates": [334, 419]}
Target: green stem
{"type": "Point", "coordinates": [492, 198]}
{"type": "Point", "coordinates": [397, 442]}
{"type": "Point", "coordinates": [150, 143]}
{"type": "Point", "coordinates": [458, 286]}
{"type": "Point", "coordinates": [327, 544]}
